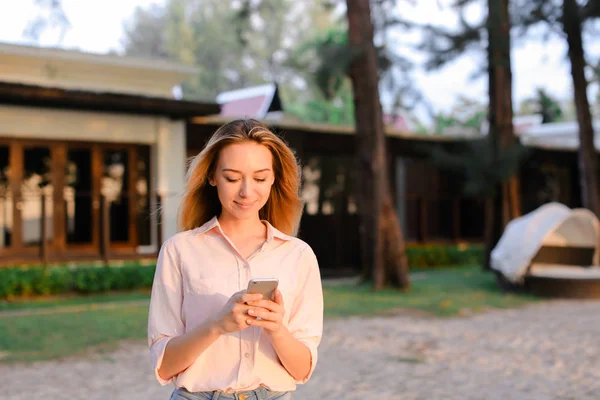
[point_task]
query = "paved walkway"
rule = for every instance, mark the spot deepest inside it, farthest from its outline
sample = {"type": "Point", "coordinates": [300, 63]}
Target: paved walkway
{"type": "Point", "coordinates": [546, 351]}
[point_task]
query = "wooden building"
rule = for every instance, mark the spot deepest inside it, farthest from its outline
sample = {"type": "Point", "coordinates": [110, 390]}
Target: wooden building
{"type": "Point", "coordinates": [429, 204]}
{"type": "Point", "coordinates": [88, 144]}
{"type": "Point", "coordinates": [92, 146]}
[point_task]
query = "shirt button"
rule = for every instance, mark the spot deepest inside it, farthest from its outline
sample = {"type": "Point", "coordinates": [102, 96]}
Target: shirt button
{"type": "Point", "coordinates": [246, 265]}
{"type": "Point", "coordinates": [247, 355]}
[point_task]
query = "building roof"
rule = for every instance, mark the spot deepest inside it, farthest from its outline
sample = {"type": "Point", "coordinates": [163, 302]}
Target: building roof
{"type": "Point", "coordinates": [253, 102]}
{"type": "Point", "coordinates": [76, 70]}
{"type": "Point", "coordinates": [40, 96]}
{"type": "Point", "coordinates": [557, 135]}
{"type": "Point", "coordinates": [294, 125]}
{"type": "Point", "coordinates": [114, 60]}
{"type": "Point", "coordinates": [397, 122]}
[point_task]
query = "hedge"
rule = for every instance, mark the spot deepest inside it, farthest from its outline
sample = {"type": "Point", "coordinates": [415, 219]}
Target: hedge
{"type": "Point", "coordinates": [436, 256]}
{"type": "Point", "coordinates": [38, 281]}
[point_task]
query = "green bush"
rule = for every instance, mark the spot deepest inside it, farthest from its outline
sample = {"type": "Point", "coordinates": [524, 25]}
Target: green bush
{"type": "Point", "coordinates": [443, 256]}
{"type": "Point", "coordinates": [89, 279]}
{"type": "Point", "coordinates": [39, 281]}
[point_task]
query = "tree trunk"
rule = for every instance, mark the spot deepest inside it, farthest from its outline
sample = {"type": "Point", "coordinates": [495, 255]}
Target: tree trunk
{"type": "Point", "coordinates": [396, 262]}
{"type": "Point", "coordinates": [588, 167]}
{"type": "Point", "coordinates": [489, 216]}
{"type": "Point", "coordinates": [382, 243]}
{"type": "Point", "coordinates": [500, 118]}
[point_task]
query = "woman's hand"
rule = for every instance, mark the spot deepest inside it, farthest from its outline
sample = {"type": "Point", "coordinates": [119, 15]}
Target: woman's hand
{"type": "Point", "coordinates": [234, 314]}
{"type": "Point", "coordinates": [270, 313]}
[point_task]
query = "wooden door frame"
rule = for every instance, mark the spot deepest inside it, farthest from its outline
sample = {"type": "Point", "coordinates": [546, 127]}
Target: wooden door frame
{"type": "Point", "coordinates": [59, 248]}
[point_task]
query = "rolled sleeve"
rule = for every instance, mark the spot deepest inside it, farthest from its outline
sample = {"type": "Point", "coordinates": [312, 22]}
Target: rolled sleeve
{"type": "Point", "coordinates": [306, 316]}
{"type": "Point", "coordinates": [157, 352]}
{"type": "Point", "coordinates": [165, 318]}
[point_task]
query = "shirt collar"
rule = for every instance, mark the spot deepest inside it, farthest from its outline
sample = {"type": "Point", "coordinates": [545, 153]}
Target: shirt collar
{"type": "Point", "coordinates": [211, 224]}
{"type": "Point", "coordinates": [272, 232]}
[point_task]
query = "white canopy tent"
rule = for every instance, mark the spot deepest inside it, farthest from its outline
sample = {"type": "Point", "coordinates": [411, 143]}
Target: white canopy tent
{"type": "Point", "coordinates": [552, 224]}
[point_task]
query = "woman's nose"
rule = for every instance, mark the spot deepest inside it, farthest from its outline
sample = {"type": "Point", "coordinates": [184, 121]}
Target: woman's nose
{"type": "Point", "coordinates": [245, 188]}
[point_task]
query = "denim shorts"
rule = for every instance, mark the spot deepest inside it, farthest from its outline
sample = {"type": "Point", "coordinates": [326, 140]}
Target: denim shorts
{"type": "Point", "coordinates": [260, 393]}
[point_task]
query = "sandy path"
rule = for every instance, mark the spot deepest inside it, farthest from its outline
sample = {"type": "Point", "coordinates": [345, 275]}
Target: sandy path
{"type": "Point", "coordinates": [545, 351]}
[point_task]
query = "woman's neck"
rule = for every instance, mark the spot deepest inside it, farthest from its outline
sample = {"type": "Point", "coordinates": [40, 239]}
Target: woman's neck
{"type": "Point", "coordinates": [233, 227]}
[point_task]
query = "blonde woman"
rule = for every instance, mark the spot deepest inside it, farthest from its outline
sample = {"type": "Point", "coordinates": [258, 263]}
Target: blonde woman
{"type": "Point", "coordinates": [239, 214]}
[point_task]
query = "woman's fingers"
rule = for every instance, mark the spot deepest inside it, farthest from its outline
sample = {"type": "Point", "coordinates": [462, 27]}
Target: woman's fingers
{"type": "Point", "coordinates": [278, 298]}
{"type": "Point", "coordinates": [264, 314]}
{"type": "Point", "coordinates": [245, 298]}
{"type": "Point", "coordinates": [267, 304]}
{"type": "Point", "coordinates": [263, 323]}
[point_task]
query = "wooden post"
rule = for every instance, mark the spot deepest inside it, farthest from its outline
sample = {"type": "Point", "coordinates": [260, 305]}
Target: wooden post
{"type": "Point", "coordinates": [131, 176]}
{"type": "Point", "coordinates": [16, 163]}
{"type": "Point", "coordinates": [96, 176]}
{"type": "Point", "coordinates": [105, 229]}
{"type": "Point", "coordinates": [43, 235]}
{"type": "Point", "coordinates": [423, 219]}
{"type": "Point", "coordinates": [59, 225]}
{"type": "Point", "coordinates": [456, 218]}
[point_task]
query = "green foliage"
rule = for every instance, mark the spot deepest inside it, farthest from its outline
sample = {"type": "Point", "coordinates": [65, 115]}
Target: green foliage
{"type": "Point", "coordinates": [144, 33]}
{"type": "Point", "coordinates": [38, 281]}
{"type": "Point", "coordinates": [443, 256]}
{"type": "Point", "coordinates": [479, 165]}
{"type": "Point", "coordinates": [473, 123]}
{"type": "Point", "coordinates": [545, 105]}
{"type": "Point", "coordinates": [327, 57]}
{"type": "Point", "coordinates": [336, 112]}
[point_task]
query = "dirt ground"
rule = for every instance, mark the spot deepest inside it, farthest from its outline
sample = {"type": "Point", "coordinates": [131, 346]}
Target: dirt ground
{"type": "Point", "coordinates": [545, 351]}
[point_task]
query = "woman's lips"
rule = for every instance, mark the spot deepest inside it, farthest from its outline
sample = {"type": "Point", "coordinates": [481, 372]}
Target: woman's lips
{"type": "Point", "coordinates": [244, 205]}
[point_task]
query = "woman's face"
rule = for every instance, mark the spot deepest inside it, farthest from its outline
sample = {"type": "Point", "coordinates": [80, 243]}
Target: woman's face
{"type": "Point", "coordinates": [243, 177]}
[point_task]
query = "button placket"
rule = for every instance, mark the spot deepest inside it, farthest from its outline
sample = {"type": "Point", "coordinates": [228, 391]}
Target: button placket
{"type": "Point", "coordinates": [246, 335]}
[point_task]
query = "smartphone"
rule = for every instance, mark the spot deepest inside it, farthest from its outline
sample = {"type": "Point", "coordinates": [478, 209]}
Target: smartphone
{"type": "Point", "coordinates": [264, 286]}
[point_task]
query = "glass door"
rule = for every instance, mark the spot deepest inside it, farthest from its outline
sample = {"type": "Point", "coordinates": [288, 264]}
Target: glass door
{"type": "Point", "coordinates": [78, 197]}
{"type": "Point", "coordinates": [115, 185]}
{"type": "Point", "coordinates": [36, 195]}
{"type": "Point", "coordinates": [98, 174]}
{"type": "Point", "coordinates": [53, 193]}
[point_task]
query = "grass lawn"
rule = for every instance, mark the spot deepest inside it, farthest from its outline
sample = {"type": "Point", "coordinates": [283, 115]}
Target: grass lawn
{"type": "Point", "coordinates": [34, 337]}
{"type": "Point", "coordinates": [446, 292]}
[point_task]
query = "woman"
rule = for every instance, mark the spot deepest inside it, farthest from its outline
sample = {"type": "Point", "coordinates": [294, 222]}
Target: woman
{"type": "Point", "coordinates": [238, 216]}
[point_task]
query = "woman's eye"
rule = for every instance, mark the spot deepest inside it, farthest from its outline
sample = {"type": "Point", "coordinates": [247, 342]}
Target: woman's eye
{"type": "Point", "coordinates": [260, 180]}
{"type": "Point", "coordinates": [230, 180]}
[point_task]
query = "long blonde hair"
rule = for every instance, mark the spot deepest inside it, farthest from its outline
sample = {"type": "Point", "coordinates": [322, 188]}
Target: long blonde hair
{"type": "Point", "coordinates": [200, 200]}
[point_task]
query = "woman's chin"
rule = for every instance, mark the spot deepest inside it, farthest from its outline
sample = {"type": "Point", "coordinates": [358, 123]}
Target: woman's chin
{"type": "Point", "coordinates": [244, 213]}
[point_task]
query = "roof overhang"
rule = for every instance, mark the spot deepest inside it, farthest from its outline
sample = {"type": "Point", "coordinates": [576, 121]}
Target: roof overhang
{"type": "Point", "coordinates": [284, 124]}
{"type": "Point", "coordinates": [46, 97]}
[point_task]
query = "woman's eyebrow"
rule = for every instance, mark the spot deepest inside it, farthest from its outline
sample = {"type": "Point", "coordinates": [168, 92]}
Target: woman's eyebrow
{"type": "Point", "coordinates": [239, 172]}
